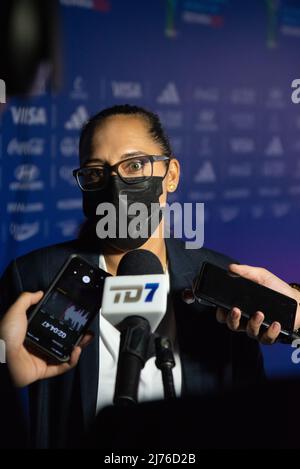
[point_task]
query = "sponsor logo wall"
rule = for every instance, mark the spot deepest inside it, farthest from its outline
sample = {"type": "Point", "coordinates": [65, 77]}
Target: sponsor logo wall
{"type": "Point", "coordinates": [227, 110]}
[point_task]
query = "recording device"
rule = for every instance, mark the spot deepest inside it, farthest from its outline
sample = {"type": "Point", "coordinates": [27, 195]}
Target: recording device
{"type": "Point", "coordinates": [134, 301]}
{"type": "Point", "coordinates": [58, 322]}
{"type": "Point", "coordinates": [225, 289]}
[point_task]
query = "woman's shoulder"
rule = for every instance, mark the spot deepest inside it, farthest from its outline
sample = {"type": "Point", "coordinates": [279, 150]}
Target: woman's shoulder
{"type": "Point", "coordinates": [42, 261]}
{"type": "Point", "coordinates": [53, 250]}
{"type": "Point", "coordinates": [197, 256]}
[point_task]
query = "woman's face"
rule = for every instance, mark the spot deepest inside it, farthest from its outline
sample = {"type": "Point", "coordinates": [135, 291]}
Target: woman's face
{"type": "Point", "coordinates": [121, 137]}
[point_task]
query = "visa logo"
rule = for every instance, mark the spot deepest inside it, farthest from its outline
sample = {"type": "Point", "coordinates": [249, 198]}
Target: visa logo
{"type": "Point", "coordinates": [29, 115]}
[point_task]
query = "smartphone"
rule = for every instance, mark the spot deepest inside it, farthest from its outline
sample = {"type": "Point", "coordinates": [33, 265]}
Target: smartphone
{"type": "Point", "coordinates": [225, 289]}
{"type": "Point", "coordinates": [58, 322]}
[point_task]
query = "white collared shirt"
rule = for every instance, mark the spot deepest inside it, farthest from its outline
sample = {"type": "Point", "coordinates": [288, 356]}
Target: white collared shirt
{"type": "Point", "coordinates": [151, 386]}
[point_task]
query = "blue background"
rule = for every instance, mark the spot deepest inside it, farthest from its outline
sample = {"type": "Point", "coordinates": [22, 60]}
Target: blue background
{"type": "Point", "coordinates": [219, 74]}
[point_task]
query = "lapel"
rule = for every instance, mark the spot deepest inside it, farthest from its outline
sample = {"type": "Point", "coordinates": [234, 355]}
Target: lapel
{"type": "Point", "coordinates": [89, 364]}
{"type": "Point", "coordinates": [192, 321]}
{"type": "Point", "coordinates": [182, 273]}
{"type": "Point", "coordinates": [181, 269]}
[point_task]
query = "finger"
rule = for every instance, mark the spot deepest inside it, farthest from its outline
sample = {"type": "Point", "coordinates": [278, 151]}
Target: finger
{"type": "Point", "coordinates": [254, 324]}
{"type": "Point", "coordinates": [86, 339]}
{"type": "Point", "coordinates": [24, 302]}
{"type": "Point", "coordinates": [75, 355]}
{"type": "Point", "coordinates": [188, 296]}
{"type": "Point", "coordinates": [56, 370]}
{"type": "Point", "coordinates": [256, 274]}
{"type": "Point", "coordinates": [14, 323]}
{"type": "Point", "coordinates": [233, 319]}
{"type": "Point", "coordinates": [221, 315]}
{"type": "Point", "coordinates": [270, 336]}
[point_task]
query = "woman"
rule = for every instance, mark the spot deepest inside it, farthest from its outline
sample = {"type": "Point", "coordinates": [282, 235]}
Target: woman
{"type": "Point", "coordinates": [115, 145]}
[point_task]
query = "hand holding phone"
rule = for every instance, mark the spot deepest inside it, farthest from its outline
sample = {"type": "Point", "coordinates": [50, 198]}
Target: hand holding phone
{"type": "Point", "coordinates": [58, 323]}
{"type": "Point", "coordinates": [269, 304]}
{"type": "Point", "coordinates": [24, 366]}
{"type": "Point", "coordinates": [254, 326]}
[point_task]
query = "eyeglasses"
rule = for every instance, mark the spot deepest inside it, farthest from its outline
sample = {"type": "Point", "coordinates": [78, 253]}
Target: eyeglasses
{"type": "Point", "coordinates": [131, 171]}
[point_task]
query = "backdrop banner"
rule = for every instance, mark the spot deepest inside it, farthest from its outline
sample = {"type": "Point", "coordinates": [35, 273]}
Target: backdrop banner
{"type": "Point", "coordinates": [219, 74]}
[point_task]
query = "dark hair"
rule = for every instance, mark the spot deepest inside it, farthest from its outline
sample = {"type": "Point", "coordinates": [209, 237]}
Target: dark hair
{"type": "Point", "coordinates": [155, 128]}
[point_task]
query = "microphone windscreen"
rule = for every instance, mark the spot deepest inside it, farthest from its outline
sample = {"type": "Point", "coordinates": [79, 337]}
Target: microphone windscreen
{"type": "Point", "coordinates": [140, 262]}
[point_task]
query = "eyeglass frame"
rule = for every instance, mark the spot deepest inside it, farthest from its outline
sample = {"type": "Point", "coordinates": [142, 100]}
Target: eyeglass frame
{"type": "Point", "coordinates": [152, 158]}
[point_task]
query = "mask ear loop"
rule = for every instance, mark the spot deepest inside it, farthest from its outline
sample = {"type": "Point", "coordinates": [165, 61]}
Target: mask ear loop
{"type": "Point", "coordinates": [168, 166]}
{"type": "Point", "coordinates": [172, 186]}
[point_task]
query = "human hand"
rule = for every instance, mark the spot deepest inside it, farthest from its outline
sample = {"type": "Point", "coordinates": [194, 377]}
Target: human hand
{"type": "Point", "coordinates": [233, 318]}
{"type": "Point", "coordinates": [24, 366]}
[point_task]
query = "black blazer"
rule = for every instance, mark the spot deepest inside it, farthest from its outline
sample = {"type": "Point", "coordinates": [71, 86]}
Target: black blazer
{"type": "Point", "coordinates": [213, 358]}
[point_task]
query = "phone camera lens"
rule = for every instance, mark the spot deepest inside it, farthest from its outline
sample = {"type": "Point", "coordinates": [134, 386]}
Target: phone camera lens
{"type": "Point", "coordinates": [91, 271]}
{"type": "Point", "coordinates": [86, 279]}
{"type": "Point", "coordinates": [75, 272]}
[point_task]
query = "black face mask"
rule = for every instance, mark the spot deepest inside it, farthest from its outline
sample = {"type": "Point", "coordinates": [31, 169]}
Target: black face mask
{"type": "Point", "coordinates": [146, 192]}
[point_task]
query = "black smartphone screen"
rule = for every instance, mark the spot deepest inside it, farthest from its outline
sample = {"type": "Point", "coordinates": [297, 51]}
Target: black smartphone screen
{"type": "Point", "coordinates": [73, 300]}
{"type": "Point", "coordinates": [222, 288]}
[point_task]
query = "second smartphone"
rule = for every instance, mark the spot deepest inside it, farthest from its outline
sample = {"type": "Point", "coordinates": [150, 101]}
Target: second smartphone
{"type": "Point", "coordinates": [58, 322]}
{"type": "Point", "coordinates": [225, 289]}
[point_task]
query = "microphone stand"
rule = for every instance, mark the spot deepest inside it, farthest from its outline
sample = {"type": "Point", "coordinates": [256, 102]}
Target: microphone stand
{"type": "Point", "coordinates": [165, 362]}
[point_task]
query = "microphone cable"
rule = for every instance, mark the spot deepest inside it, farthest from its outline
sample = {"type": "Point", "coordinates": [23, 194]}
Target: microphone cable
{"type": "Point", "coordinates": [165, 362]}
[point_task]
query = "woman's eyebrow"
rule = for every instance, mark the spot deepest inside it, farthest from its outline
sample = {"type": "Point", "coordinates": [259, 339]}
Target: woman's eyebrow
{"type": "Point", "coordinates": [130, 154]}
{"type": "Point", "coordinates": [96, 160]}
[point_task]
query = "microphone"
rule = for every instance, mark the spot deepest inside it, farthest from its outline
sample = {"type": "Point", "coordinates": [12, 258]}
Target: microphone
{"type": "Point", "coordinates": [140, 288]}
{"type": "Point", "coordinates": [135, 300]}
